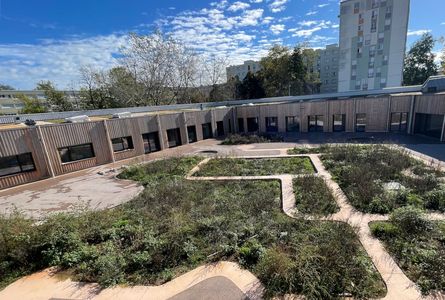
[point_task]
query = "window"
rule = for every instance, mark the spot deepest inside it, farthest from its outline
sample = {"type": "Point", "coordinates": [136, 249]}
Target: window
{"type": "Point", "coordinates": [370, 73]}
{"type": "Point", "coordinates": [75, 153]}
{"type": "Point", "coordinates": [339, 123]}
{"type": "Point", "coordinates": [271, 124]}
{"type": "Point", "coordinates": [360, 123]}
{"type": "Point", "coordinates": [252, 124]}
{"type": "Point", "coordinates": [356, 7]}
{"type": "Point", "coordinates": [15, 164]}
{"type": "Point", "coordinates": [122, 144]}
{"type": "Point", "coordinates": [174, 137]}
{"type": "Point", "coordinates": [191, 134]}
{"type": "Point", "coordinates": [399, 122]}
{"type": "Point", "coordinates": [151, 142]}
{"type": "Point", "coordinates": [292, 124]}
{"type": "Point", "coordinates": [316, 123]}
{"type": "Point", "coordinates": [220, 128]}
{"type": "Point", "coordinates": [207, 131]}
{"type": "Point", "coordinates": [241, 125]}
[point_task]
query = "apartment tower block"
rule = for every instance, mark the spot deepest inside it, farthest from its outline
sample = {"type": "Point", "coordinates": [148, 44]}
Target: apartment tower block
{"type": "Point", "coordinates": [372, 43]}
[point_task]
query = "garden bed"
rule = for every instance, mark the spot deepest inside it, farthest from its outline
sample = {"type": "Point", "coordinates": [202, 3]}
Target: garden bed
{"type": "Point", "coordinates": [176, 225]}
{"type": "Point", "coordinates": [417, 245]}
{"type": "Point", "coordinates": [379, 179]}
{"type": "Point", "coordinates": [313, 197]}
{"type": "Point", "coordinates": [256, 166]}
{"type": "Point", "coordinates": [245, 139]}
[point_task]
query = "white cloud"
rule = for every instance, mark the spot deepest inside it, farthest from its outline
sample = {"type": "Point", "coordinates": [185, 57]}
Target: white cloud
{"type": "Point", "coordinates": [443, 23]}
{"type": "Point", "coordinates": [322, 5]}
{"type": "Point", "coordinates": [267, 20]}
{"type": "Point", "coordinates": [238, 6]}
{"type": "Point", "coordinates": [418, 32]}
{"type": "Point", "coordinates": [58, 61]}
{"type": "Point", "coordinates": [305, 32]}
{"type": "Point", "coordinates": [311, 13]}
{"type": "Point", "coordinates": [278, 5]}
{"type": "Point", "coordinates": [256, 1]}
{"type": "Point", "coordinates": [277, 28]}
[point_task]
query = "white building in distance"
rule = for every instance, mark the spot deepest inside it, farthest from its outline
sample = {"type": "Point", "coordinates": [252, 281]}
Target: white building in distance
{"type": "Point", "coordinates": [373, 37]}
{"type": "Point", "coordinates": [241, 71]}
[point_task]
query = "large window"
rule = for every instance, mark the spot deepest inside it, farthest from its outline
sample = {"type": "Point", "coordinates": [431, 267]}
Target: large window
{"type": "Point", "coordinates": [429, 125]}
{"type": "Point", "coordinates": [191, 133]}
{"type": "Point", "coordinates": [75, 153]}
{"type": "Point", "coordinates": [339, 123]}
{"type": "Point", "coordinates": [174, 137]}
{"type": "Point", "coordinates": [271, 124]}
{"type": "Point", "coordinates": [15, 164]}
{"type": "Point", "coordinates": [360, 123]}
{"type": "Point", "coordinates": [151, 142]}
{"type": "Point", "coordinates": [207, 131]}
{"type": "Point", "coordinates": [220, 128]}
{"type": "Point", "coordinates": [252, 124]}
{"type": "Point", "coordinates": [240, 125]}
{"type": "Point", "coordinates": [122, 144]}
{"type": "Point", "coordinates": [292, 124]}
{"type": "Point", "coordinates": [316, 123]}
{"type": "Point", "coordinates": [399, 122]}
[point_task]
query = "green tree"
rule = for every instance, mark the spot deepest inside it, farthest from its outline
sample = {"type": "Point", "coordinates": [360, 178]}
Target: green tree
{"type": "Point", "coordinates": [56, 99]}
{"type": "Point", "coordinates": [419, 62]}
{"type": "Point", "coordinates": [31, 105]}
{"type": "Point", "coordinates": [5, 87]}
{"type": "Point", "coordinates": [276, 71]}
{"type": "Point", "coordinates": [252, 87]}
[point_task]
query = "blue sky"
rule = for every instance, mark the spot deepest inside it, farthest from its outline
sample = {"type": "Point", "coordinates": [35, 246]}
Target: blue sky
{"type": "Point", "coordinates": [52, 39]}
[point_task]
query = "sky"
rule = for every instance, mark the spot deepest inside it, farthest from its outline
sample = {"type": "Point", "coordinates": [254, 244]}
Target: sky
{"type": "Point", "coordinates": [53, 39]}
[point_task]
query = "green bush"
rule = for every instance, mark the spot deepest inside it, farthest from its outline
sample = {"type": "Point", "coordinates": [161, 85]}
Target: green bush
{"type": "Point", "coordinates": [383, 230]}
{"type": "Point", "coordinates": [379, 206]}
{"type": "Point", "coordinates": [244, 139]}
{"type": "Point", "coordinates": [411, 220]}
{"type": "Point", "coordinates": [312, 196]}
{"type": "Point", "coordinates": [250, 253]}
{"type": "Point", "coordinates": [435, 200]}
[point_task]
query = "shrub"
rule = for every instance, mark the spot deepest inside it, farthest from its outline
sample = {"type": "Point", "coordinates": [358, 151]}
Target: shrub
{"type": "Point", "coordinates": [411, 220]}
{"type": "Point", "coordinates": [250, 253]}
{"type": "Point", "coordinates": [379, 206]}
{"type": "Point", "coordinates": [243, 139]}
{"type": "Point", "coordinates": [435, 200]}
{"type": "Point", "coordinates": [384, 230]}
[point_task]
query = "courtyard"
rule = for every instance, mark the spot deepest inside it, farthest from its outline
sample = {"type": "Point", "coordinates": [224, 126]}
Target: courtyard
{"type": "Point", "coordinates": [285, 219]}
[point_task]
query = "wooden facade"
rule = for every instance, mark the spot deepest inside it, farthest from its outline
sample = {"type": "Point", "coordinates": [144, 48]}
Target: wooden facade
{"type": "Point", "coordinates": [44, 142]}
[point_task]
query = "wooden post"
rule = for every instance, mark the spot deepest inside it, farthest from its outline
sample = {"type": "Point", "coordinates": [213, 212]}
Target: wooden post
{"type": "Point", "coordinates": [45, 152]}
{"type": "Point", "coordinates": [110, 144]}
{"type": "Point", "coordinates": [411, 116]}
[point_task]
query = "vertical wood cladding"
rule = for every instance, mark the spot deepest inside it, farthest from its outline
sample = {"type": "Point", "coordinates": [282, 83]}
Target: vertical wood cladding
{"type": "Point", "coordinates": [376, 110]}
{"type": "Point", "coordinates": [58, 136]}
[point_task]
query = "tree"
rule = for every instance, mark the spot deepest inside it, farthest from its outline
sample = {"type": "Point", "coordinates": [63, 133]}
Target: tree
{"type": "Point", "coordinates": [252, 87]}
{"type": "Point", "coordinates": [94, 92]}
{"type": "Point", "coordinates": [31, 105]}
{"type": "Point", "coordinates": [162, 66]}
{"type": "Point", "coordinates": [56, 99]}
{"type": "Point", "coordinates": [5, 87]}
{"type": "Point", "coordinates": [419, 62]}
{"type": "Point", "coordinates": [276, 71]}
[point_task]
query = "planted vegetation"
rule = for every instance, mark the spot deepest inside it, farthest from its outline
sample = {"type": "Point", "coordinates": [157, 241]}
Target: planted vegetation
{"type": "Point", "coordinates": [256, 167]}
{"type": "Point", "coordinates": [308, 150]}
{"type": "Point", "coordinates": [418, 246]}
{"type": "Point", "coordinates": [313, 197]}
{"type": "Point", "coordinates": [176, 225]}
{"type": "Point", "coordinates": [379, 179]}
{"type": "Point", "coordinates": [244, 139]}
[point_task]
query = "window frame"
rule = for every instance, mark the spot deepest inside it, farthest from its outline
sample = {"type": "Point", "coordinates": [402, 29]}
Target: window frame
{"type": "Point", "coordinates": [269, 121]}
{"type": "Point", "coordinates": [69, 149]}
{"type": "Point", "coordinates": [147, 138]}
{"type": "Point", "coordinates": [295, 124]}
{"type": "Point", "coordinates": [20, 164]}
{"type": "Point", "coordinates": [362, 126]}
{"type": "Point", "coordinates": [339, 128]}
{"type": "Point", "coordinates": [126, 146]}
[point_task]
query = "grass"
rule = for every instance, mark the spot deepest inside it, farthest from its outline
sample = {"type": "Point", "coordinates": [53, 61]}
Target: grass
{"type": "Point", "coordinates": [256, 167]}
{"type": "Point", "coordinates": [418, 246]}
{"type": "Point", "coordinates": [364, 172]}
{"type": "Point", "coordinates": [176, 225]}
{"type": "Point", "coordinates": [313, 196]}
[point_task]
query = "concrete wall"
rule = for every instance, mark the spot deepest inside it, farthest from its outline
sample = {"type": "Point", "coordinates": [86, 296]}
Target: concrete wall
{"type": "Point", "coordinates": [44, 141]}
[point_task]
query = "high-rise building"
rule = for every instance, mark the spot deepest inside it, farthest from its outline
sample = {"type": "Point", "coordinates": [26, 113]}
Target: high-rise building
{"type": "Point", "coordinates": [328, 68]}
{"type": "Point", "coordinates": [241, 71]}
{"type": "Point", "coordinates": [372, 43]}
